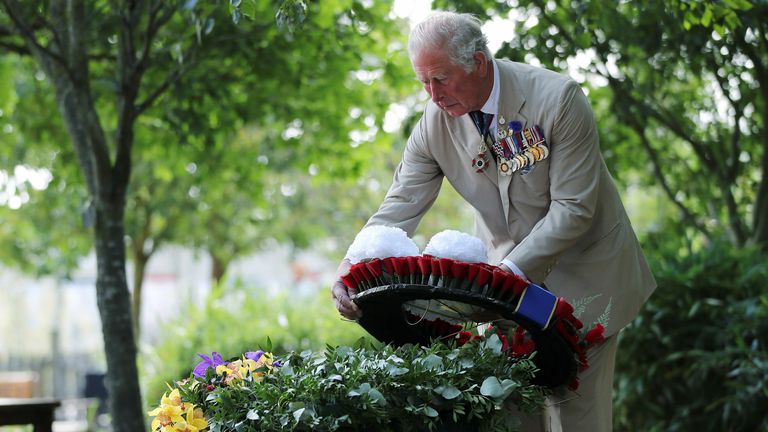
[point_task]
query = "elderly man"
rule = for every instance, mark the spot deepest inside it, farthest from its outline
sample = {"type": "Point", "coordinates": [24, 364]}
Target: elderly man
{"type": "Point", "coordinates": [520, 144]}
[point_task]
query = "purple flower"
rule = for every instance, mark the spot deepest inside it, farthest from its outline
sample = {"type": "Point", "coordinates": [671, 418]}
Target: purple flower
{"type": "Point", "coordinates": [277, 363]}
{"type": "Point", "coordinates": [208, 362]}
{"type": "Point", "coordinates": [254, 355]}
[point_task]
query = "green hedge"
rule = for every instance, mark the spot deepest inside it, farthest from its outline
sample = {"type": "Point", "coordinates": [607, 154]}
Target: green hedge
{"type": "Point", "coordinates": [696, 358]}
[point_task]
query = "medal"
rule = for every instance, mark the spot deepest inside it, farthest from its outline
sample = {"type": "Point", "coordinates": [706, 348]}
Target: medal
{"type": "Point", "coordinates": [504, 167]}
{"type": "Point", "coordinates": [529, 156]}
{"type": "Point", "coordinates": [544, 150]}
{"type": "Point", "coordinates": [521, 161]}
{"type": "Point", "coordinates": [480, 162]}
{"type": "Point", "coordinates": [536, 153]}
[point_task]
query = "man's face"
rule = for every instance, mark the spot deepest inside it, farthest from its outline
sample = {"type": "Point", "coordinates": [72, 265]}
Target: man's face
{"type": "Point", "coordinates": [450, 87]}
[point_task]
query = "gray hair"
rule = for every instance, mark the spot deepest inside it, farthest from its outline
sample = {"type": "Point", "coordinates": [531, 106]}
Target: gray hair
{"type": "Point", "coordinates": [458, 33]}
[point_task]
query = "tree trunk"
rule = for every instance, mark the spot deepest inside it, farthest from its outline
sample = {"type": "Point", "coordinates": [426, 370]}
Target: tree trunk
{"type": "Point", "coordinates": [114, 307]}
{"type": "Point", "coordinates": [218, 269]}
{"type": "Point", "coordinates": [140, 260]}
{"type": "Point", "coordinates": [760, 211]}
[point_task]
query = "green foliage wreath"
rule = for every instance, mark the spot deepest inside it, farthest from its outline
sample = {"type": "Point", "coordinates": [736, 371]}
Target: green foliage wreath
{"type": "Point", "coordinates": [409, 388]}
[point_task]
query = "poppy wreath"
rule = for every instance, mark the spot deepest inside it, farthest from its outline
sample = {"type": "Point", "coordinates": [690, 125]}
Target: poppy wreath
{"type": "Point", "coordinates": [546, 327]}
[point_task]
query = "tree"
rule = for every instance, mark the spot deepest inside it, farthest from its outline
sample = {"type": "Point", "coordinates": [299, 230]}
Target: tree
{"type": "Point", "coordinates": [679, 91]}
{"type": "Point", "coordinates": [109, 65]}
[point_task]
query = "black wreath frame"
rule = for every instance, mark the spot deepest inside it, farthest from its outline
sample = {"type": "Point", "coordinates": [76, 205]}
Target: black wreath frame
{"type": "Point", "coordinates": [386, 319]}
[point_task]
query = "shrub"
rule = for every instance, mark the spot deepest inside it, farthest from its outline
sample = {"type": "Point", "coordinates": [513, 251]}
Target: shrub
{"type": "Point", "coordinates": [696, 358]}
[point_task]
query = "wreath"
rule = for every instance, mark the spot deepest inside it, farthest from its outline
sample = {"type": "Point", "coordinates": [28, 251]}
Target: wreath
{"type": "Point", "coordinates": [416, 299]}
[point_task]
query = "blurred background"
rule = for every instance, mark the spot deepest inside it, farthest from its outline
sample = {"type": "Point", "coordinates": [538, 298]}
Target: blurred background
{"type": "Point", "coordinates": [264, 133]}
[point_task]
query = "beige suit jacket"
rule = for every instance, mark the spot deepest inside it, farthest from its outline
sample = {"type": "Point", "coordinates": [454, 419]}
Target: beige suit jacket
{"type": "Point", "coordinates": [563, 223]}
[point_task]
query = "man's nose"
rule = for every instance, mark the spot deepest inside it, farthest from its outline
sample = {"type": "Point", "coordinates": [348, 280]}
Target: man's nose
{"type": "Point", "coordinates": [435, 94]}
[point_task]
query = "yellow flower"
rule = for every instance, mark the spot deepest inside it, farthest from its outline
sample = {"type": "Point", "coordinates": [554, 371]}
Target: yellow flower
{"type": "Point", "coordinates": [165, 415]}
{"type": "Point", "coordinates": [195, 421]}
{"type": "Point", "coordinates": [173, 399]}
{"type": "Point", "coordinates": [231, 372]}
{"type": "Point", "coordinates": [265, 360]}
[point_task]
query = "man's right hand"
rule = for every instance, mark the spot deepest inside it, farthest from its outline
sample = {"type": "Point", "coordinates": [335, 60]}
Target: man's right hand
{"type": "Point", "coordinates": [340, 293]}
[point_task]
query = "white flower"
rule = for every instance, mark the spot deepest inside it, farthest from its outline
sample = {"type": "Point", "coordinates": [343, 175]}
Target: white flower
{"type": "Point", "coordinates": [457, 245]}
{"type": "Point", "coordinates": [381, 242]}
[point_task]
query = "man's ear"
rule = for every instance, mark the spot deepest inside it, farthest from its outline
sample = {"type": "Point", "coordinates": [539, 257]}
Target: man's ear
{"type": "Point", "coordinates": [480, 63]}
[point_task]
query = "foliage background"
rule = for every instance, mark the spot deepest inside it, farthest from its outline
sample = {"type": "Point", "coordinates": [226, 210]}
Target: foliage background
{"type": "Point", "coordinates": [696, 357]}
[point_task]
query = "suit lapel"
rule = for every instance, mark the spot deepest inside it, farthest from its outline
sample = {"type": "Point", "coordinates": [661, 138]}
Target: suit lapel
{"type": "Point", "coordinates": [511, 101]}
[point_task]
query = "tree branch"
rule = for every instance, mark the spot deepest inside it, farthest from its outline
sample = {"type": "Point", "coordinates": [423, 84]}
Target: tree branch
{"type": "Point", "coordinates": [153, 25]}
{"type": "Point", "coordinates": [18, 49]}
{"type": "Point", "coordinates": [654, 156]}
{"type": "Point", "coordinates": [159, 90]}
{"type": "Point", "coordinates": [27, 33]}
{"type": "Point", "coordinates": [129, 79]}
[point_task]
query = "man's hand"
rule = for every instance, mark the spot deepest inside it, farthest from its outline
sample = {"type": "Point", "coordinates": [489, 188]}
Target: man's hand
{"type": "Point", "coordinates": [340, 293]}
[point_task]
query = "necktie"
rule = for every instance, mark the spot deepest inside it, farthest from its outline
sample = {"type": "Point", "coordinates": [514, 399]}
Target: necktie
{"type": "Point", "coordinates": [483, 123]}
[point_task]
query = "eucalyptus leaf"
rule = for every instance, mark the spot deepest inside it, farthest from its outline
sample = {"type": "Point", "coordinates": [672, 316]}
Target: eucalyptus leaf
{"type": "Point", "coordinates": [377, 396]}
{"type": "Point", "coordinates": [493, 343]}
{"type": "Point", "coordinates": [298, 413]}
{"type": "Point", "coordinates": [491, 387]}
{"type": "Point", "coordinates": [432, 362]}
{"type": "Point", "coordinates": [396, 371]}
{"type": "Point", "coordinates": [448, 392]}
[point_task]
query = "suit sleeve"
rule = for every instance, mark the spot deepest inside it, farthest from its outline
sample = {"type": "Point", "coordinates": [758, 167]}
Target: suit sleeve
{"type": "Point", "coordinates": [415, 185]}
{"type": "Point", "coordinates": [574, 173]}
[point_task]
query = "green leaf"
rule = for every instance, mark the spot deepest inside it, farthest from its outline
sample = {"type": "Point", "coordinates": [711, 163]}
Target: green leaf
{"type": "Point", "coordinates": [298, 413]}
{"type": "Point", "coordinates": [376, 396]}
{"type": "Point", "coordinates": [432, 362]}
{"type": "Point", "coordinates": [430, 412]}
{"type": "Point", "coordinates": [491, 387]}
{"type": "Point", "coordinates": [397, 371]}
{"type": "Point", "coordinates": [493, 343]}
{"type": "Point", "coordinates": [448, 392]}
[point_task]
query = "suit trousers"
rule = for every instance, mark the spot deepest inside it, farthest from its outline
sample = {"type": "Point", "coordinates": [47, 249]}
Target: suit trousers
{"type": "Point", "coordinates": [590, 407]}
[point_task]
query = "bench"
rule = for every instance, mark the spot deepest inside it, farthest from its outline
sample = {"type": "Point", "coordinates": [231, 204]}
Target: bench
{"type": "Point", "coordinates": [37, 412]}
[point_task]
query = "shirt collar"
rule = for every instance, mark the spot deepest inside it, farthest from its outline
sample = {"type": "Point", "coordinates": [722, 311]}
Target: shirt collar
{"type": "Point", "coordinates": [492, 104]}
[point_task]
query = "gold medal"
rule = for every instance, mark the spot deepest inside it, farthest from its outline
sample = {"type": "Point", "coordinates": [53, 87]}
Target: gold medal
{"type": "Point", "coordinates": [544, 151]}
{"type": "Point", "coordinates": [504, 167]}
{"type": "Point", "coordinates": [521, 161]}
{"type": "Point", "coordinates": [536, 153]}
{"type": "Point", "coordinates": [529, 156]}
